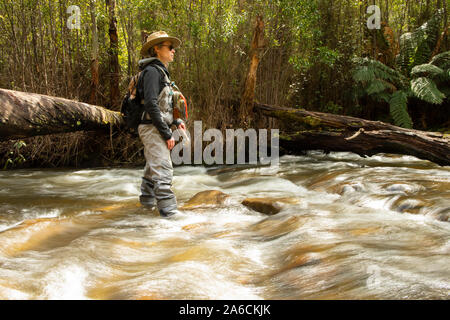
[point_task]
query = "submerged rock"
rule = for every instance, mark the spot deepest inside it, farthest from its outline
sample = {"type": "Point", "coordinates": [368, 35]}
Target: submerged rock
{"type": "Point", "coordinates": [276, 226]}
{"type": "Point", "coordinates": [411, 205]}
{"type": "Point", "coordinates": [268, 205]}
{"type": "Point", "coordinates": [206, 198]}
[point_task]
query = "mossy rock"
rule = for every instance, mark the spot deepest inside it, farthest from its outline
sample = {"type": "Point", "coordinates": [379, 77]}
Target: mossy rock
{"type": "Point", "coordinates": [268, 206]}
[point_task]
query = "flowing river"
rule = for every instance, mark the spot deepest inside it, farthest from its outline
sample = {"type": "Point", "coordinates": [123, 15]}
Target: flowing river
{"type": "Point", "coordinates": [355, 228]}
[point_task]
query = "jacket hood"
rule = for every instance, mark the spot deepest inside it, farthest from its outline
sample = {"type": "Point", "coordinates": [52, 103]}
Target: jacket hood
{"type": "Point", "coordinates": [146, 61]}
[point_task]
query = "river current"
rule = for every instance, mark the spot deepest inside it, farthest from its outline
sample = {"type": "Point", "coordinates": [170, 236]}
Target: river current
{"type": "Point", "coordinates": [359, 228]}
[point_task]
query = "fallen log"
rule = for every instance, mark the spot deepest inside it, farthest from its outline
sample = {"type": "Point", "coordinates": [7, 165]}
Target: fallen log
{"type": "Point", "coordinates": [307, 130]}
{"type": "Point", "coordinates": [28, 114]}
{"type": "Point", "coordinates": [25, 114]}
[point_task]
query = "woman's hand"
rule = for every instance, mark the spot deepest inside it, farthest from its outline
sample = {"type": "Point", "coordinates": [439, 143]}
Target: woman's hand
{"type": "Point", "coordinates": [170, 143]}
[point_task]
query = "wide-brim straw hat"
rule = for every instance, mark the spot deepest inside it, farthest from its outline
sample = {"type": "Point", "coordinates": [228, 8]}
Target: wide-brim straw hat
{"type": "Point", "coordinates": [156, 38]}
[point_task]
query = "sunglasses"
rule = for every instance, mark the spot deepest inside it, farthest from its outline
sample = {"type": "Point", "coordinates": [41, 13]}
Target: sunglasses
{"type": "Point", "coordinates": [171, 47]}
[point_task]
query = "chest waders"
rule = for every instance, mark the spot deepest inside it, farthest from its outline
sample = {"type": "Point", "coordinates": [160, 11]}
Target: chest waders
{"type": "Point", "coordinates": [158, 172]}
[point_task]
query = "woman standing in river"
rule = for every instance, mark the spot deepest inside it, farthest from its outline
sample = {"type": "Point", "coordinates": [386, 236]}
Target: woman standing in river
{"type": "Point", "coordinates": [154, 130]}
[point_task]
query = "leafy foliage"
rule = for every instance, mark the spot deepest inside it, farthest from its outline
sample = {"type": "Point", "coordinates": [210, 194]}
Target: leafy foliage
{"type": "Point", "coordinates": [416, 73]}
{"type": "Point", "coordinates": [15, 157]}
{"type": "Point", "coordinates": [417, 47]}
{"type": "Point", "coordinates": [384, 84]}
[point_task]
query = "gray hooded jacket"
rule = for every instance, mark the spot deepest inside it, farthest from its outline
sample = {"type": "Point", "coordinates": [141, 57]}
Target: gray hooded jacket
{"type": "Point", "coordinates": [154, 88]}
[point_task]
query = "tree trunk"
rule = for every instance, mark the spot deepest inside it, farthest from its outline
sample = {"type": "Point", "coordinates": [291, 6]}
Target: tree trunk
{"type": "Point", "coordinates": [28, 114]}
{"type": "Point", "coordinates": [248, 94]}
{"type": "Point", "coordinates": [94, 59]}
{"type": "Point", "coordinates": [306, 130]}
{"type": "Point", "coordinates": [114, 56]}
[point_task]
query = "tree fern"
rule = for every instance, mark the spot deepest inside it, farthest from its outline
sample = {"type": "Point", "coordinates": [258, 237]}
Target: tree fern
{"type": "Point", "coordinates": [425, 89]}
{"type": "Point", "coordinates": [416, 47]}
{"type": "Point", "coordinates": [430, 78]}
{"type": "Point", "coordinates": [399, 110]}
{"type": "Point", "coordinates": [429, 39]}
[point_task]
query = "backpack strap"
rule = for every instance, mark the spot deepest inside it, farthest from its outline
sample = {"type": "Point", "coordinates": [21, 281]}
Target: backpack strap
{"type": "Point", "coordinates": [138, 79]}
{"type": "Point", "coordinates": [133, 85]}
{"type": "Point", "coordinates": [166, 77]}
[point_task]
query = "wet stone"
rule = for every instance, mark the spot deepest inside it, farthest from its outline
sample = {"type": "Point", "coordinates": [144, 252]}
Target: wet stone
{"type": "Point", "coordinates": [268, 206]}
{"type": "Point", "coordinates": [206, 199]}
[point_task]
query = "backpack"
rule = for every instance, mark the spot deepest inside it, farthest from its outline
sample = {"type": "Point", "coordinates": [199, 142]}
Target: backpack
{"type": "Point", "coordinates": [132, 108]}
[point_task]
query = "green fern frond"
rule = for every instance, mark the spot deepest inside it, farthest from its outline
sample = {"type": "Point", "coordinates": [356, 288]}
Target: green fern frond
{"type": "Point", "coordinates": [363, 74]}
{"type": "Point", "coordinates": [441, 60]}
{"type": "Point", "coordinates": [382, 71]}
{"type": "Point", "coordinates": [422, 54]}
{"type": "Point", "coordinates": [409, 93]}
{"type": "Point", "coordinates": [368, 70]}
{"type": "Point", "coordinates": [443, 78]}
{"type": "Point", "coordinates": [426, 70]}
{"type": "Point", "coordinates": [425, 89]}
{"type": "Point", "coordinates": [376, 86]}
{"type": "Point", "coordinates": [398, 109]}
{"type": "Point", "coordinates": [393, 76]}
{"type": "Point", "coordinates": [407, 44]}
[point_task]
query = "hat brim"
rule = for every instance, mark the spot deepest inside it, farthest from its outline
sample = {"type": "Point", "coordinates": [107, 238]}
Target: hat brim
{"type": "Point", "coordinates": [175, 42]}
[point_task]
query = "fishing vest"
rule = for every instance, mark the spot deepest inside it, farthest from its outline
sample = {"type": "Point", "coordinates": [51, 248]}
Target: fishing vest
{"type": "Point", "coordinates": [165, 100]}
